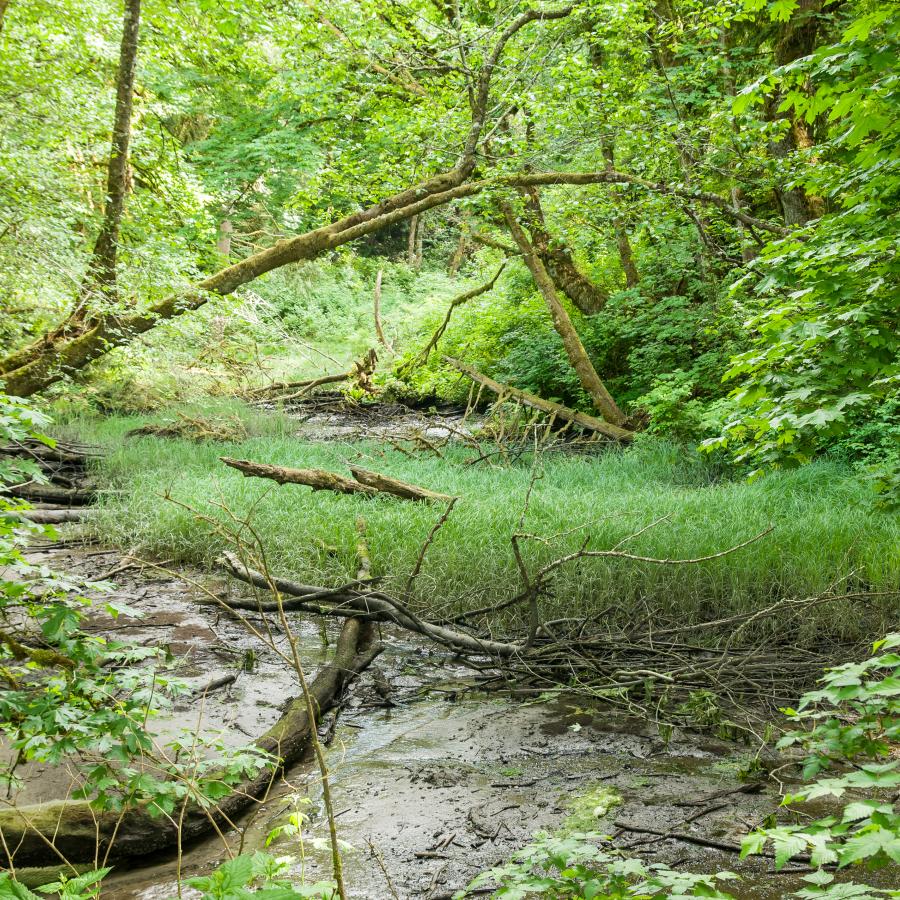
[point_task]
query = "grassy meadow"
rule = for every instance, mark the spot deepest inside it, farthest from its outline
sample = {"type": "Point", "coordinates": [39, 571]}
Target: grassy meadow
{"type": "Point", "coordinates": [826, 533]}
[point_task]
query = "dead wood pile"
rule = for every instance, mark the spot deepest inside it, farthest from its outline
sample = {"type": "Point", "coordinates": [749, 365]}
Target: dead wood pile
{"type": "Point", "coordinates": [199, 430]}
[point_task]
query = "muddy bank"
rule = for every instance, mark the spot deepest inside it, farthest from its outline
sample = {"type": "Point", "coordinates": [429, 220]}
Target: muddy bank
{"type": "Point", "coordinates": [440, 785]}
{"type": "Point", "coordinates": [330, 415]}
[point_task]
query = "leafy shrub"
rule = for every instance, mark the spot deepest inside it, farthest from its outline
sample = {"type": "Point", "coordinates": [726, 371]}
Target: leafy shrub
{"type": "Point", "coordinates": [851, 728]}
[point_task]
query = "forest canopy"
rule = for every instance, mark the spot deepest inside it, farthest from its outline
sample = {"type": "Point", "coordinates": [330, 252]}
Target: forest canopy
{"type": "Point", "coordinates": [702, 195]}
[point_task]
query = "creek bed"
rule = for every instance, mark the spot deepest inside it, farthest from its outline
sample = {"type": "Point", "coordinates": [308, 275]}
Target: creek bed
{"type": "Point", "coordinates": [439, 786]}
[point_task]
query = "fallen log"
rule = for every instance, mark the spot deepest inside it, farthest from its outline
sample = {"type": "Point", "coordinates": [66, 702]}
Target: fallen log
{"type": "Point", "coordinates": [52, 493]}
{"type": "Point", "coordinates": [54, 516]}
{"type": "Point", "coordinates": [317, 479]}
{"type": "Point", "coordinates": [278, 387]}
{"type": "Point", "coordinates": [591, 423]}
{"type": "Point", "coordinates": [375, 605]}
{"type": "Point", "coordinates": [71, 830]}
{"type": "Point", "coordinates": [365, 482]}
{"type": "Point", "coordinates": [58, 453]}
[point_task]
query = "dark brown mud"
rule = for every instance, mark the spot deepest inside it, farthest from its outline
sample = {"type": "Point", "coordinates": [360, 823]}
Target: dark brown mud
{"type": "Point", "coordinates": [433, 789]}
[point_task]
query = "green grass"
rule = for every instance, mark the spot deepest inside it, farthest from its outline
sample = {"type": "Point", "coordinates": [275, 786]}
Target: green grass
{"type": "Point", "coordinates": [825, 530]}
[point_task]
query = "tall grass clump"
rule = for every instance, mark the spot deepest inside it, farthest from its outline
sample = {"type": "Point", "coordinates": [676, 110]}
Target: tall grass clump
{"type": "Point", "coordinates": [826, 535]}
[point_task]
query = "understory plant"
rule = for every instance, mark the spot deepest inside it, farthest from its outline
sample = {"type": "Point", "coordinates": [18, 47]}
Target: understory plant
{"type": "Point", "coordinates": [849, 731]}
{"type": "Point", "coordinates": [69, 694]}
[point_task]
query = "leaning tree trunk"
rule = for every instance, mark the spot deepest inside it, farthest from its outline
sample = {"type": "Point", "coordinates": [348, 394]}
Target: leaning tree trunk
{"type": "Point", "coordinates": [581, 363]}
{"type": "Point", "coordinates": [558, 260]}
{"type": "Point", "coordinates": [100, 279]}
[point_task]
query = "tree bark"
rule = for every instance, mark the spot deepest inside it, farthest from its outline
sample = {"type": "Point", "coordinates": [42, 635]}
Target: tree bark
{"type": "Point", "coordinates": [411, 243]}
{"type": "Point", "coordinates": [623, 242]}
{"type": "Point", "coordinates": [626, 256]}
{"type": "Point", "coordinates": [557, 410]}
{"type": "Point", "coordinates": [462, 247]}
{"type": "Point", "coordinates": [101, 271]}
{"type": "Point", "coordinates": [420, 240]}
{"type": "Point", "coordinates": [581, 363]}
{"type": "Point", "coordinates": [4, 5]}
{"type": "Point", "coordinates": [796, 38]}
{"type": "Point", "coordinates": [103, 264]}
{"type": "Point", "coordinates": [557, 258]}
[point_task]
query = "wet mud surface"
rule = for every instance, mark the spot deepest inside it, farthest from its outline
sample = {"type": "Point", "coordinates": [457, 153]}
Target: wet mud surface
{"type": "Point", "coordinates": [432, 789]}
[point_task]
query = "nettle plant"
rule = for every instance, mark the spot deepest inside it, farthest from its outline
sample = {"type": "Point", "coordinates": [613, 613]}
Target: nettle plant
{"type": "Point", "coordinates": [850, 733]}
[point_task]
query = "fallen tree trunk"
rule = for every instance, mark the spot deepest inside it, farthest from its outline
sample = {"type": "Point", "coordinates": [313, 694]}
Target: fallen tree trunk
{"type": "Point", "coordinates": [73, 831]}
{"type": "Point", "coordinates": [317, 479]}
{"type": "Point", "coordinates": [559, 261]}
{"type": "Point", "coordinates": [375, 605]}
{"type": "Point", "coordinates": [578, 358]}
{"type": "Point", "coordinates": [365, 482]}
{"type": "Point", "coordinates": [309, 383]}
{"type": "Point", "coordinates": [55, 516]}
{"type": "Point", "coordinates": [548, 406]}
{"type": "Point", "coordinates": [52, 493]}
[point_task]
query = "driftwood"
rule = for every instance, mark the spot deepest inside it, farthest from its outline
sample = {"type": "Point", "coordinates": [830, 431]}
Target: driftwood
{"type": "Point", "coordinates": [71, 829]}
{"type": "Point", "coordinates": [347, 601]}
{"type": "Point", "coordinates": [548, 406]}
{"type": "Point", "coordinates": [372, 484]}
{"type": "Point", "coordinates": [54, 516]}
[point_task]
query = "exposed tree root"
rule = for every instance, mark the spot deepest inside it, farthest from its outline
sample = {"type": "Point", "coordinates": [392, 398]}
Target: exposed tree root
{"type": "Point", "coordinates": [72, 830]}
